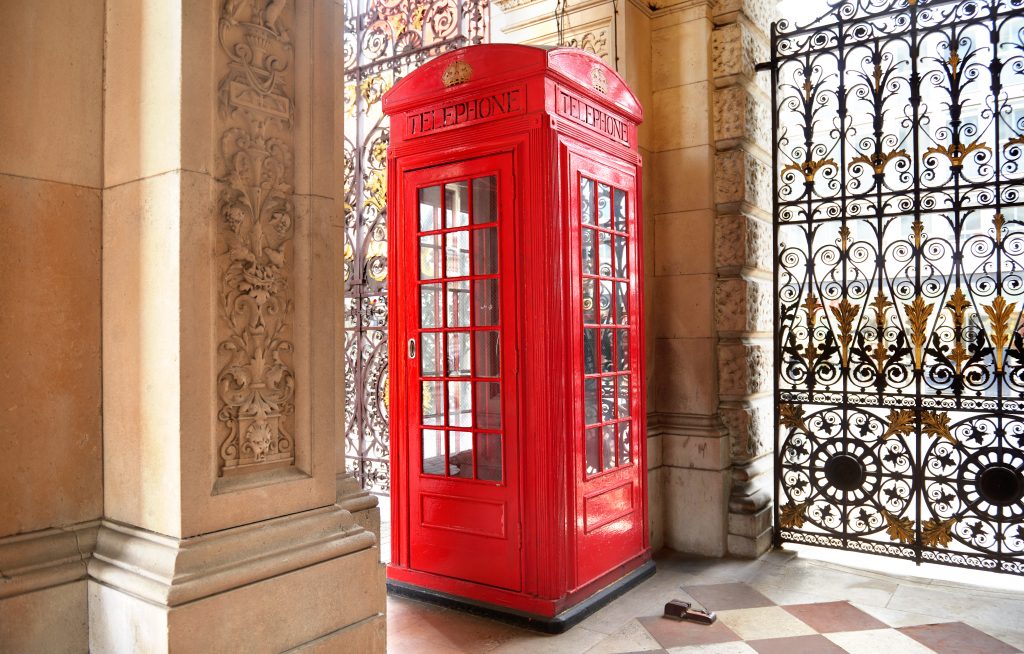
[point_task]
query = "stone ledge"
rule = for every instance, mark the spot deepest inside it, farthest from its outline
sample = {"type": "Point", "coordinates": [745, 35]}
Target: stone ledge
{"type": "Point", "coordinates": [168, 571]}
{"type": "Point", "coordinates": [41, 559]}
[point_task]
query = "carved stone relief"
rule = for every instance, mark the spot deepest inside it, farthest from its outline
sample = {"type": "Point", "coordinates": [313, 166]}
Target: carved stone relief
{"type": "Point", "coordinates": [742, 241]}
{"type": "Point", "coordinates": [743, 305]}
{"type": "Point", "coordinates": [742, 113]}
{"type": "Point", "coordinates": [735, 50]}
{"type": "Point", "coordinates": [742, 177]}
{"type": "Point", "coordinates": [743, 369]}
{"type": "Point", "coordinates": [594, 41]}
{"type": "Point", "coordinates": [256, 382]}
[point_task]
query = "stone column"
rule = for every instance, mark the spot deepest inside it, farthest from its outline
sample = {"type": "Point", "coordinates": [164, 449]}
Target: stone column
{"type": "Point", "coordinates": [220, 224]}
{"type": "Point", "coordinates": [743, 241]}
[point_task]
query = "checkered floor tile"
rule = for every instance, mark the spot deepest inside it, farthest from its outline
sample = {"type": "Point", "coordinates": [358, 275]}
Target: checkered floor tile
{"type": "Point", "coordinates": [749, 623]}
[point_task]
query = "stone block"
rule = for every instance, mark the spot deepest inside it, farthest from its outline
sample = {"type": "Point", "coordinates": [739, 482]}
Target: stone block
{"type": "Point", "coordinates": [50, 338]}
{"type": "Point", "coordinates": [699, 452]}
{"type": "Point", "coordinates": [751, 427]}
{"type": "Point", "coordinates": [695, 510]}
{"type": "Point", "coordinates": [743, 306]}
{"type": "Point", "coordinates": [681, 116]}
{"type": "Point", "coordinates": [736, 49]}
{"type": "Point", "coordinates": [679, 53]}
{"type": "Point", "coordinates": [749, 548]}
{"type": "Point", "coordinates": [53, 620]}
{"type": "Point", "coordinates": [368, 635]}
{"type": "Point", "coordinates": [744, 369]}
{"type": "Point", "coordinates": [751, 525]}
{"type": "Point", "coordinates": [742, 113]}
{"type": "Point", "coordinates": [656, 508]}
{"type": "Point", "coordinates": [743, 177]}
{"type": "Point", "coordinates": [684, 179]}
{"type": "Point", "coordinates": [683, 306]}
{"type": "Point", "coordinates": [684, 243]}
{"type": "Point", "coordinates": [743, 241]}
{"type": "Point", "coordinates": [52, 91]}
{"type": "Point", "coordinates": [759, 12]}
{"type": "Point", "coordinates": [685, 379]}
{"type": "Point", "coordinates": [143, 90]}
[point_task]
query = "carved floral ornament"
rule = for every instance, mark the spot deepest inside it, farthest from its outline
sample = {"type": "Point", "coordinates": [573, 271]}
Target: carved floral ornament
{"type": "Point", "coordinates": [256, 384]}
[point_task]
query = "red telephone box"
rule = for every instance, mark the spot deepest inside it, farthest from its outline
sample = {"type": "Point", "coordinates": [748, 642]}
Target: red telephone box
{"type": "Point", "coordinates": [519, 476]}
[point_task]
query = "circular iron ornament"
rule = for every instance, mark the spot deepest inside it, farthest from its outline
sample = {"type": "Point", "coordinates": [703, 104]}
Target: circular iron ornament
{"type": "Point", "coordinates": [1000, 485]}
{"type": "Point", "coordinates": [845, 472]}
{"type": "Point", "coordinates": [991, 477]}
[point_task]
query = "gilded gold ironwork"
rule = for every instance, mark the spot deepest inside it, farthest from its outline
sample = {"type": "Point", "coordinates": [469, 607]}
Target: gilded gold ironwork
{"type": "Point", "coordinates": [899, 529]}
{"type": "Point", "coordinates": [792, 515]}
{"type": "Point", "coordinates": [937, 533]}
{"type": "Point", "coordinates": [917, 315]}
{"type": "Point", "coordinates": [1000, 314]}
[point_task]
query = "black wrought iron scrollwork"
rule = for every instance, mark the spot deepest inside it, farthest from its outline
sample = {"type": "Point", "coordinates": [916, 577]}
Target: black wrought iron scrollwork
{"type": "Point", "coordinates": [383, 41]}
{"type": "Point", "coordinates": [899, 223]}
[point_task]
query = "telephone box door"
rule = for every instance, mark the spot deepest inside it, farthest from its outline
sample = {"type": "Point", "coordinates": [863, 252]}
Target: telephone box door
{"type": "Point", "coordinates": [463, 506]}
{"type": "Point", "coordinates": [610, 522]}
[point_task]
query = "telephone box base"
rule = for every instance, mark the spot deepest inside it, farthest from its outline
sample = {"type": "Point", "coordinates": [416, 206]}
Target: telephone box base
{"type": "Point", "coordinates": [557, 624]}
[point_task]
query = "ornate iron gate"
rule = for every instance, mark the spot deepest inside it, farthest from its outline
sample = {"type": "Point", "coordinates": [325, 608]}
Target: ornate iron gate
{"type": "Point", "coordinates": [384, 40]}
{"type": "Point", "coordinates": [899, 160]}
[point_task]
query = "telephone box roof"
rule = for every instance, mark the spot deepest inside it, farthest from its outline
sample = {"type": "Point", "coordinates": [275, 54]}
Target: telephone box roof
{"type": "Point", "coordinates": [478, 67]}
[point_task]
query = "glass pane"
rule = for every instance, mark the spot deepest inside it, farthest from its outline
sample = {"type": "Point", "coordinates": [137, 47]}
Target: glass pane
{"type": "Point", "coordinates": [485, 200]}
{"type": "Point", "coordinates": [604, 254]}
{"type": "Point", "coordinates": [608, 439]}
{"type": "Point", "coordinates": [623, 350]}
{"type": "Point", "coordinates": [622, 302]}
{"type": "Point", "coordinates": [458, 304]}
{"type": "Point", "coordinates": [590, 400]}
{"type": "Point", "coordinates": [488, 457]}
{"type": "Point", "coordinates": [589, 351]}
{"type": "Point", "coordinates": [589, 315]}
{"type": "Point", "coordinates": [456, 208]}
{"type": "Point", "coordinates": [488, 355]}
{"type": "Point", "coordinates": [485, 302]}
{"type": "Point", "coordinates": [606, 303]}
{"type": "Point", "coordinates": [430, 208]}
{"type": "Point", "coordinates": [607, 399]}
{"type": "Point", "coordinates": [588, 252]}
{"type": "Point", "coordinates": [433, 452]}
{"type": "Point", "coordinates": [459, 363]}
{"type": "Point", "coordinates": [431, 355]}
{"type": "Point", "coordinates": [604, 206]}
{"type": "Point", "coordinates": [432, 402]}
{"type": "Point", "coordinates": [430, 257]}
{"type": "Point", "coordinates": [430, 305]}
{"type": "Point", "coordinates": [607, 351]}
{"type": "Point", "coordinates": [456, 245]}
{"type": "Point", "coordinates": [586, 201]}
{"type": "Point", "coordinates": [621, 257]}
{"type": "Point", "coordinates": [593, 445]}
{"type": "Point", "coordinates": [488, 405]}
{"type": "Point", "coordinates": [460, 454]}
{"type": "Point", "coordinates": [624, 396]}
{"type": "Point", "coordinates": [625, 445]}
{"type": "Point", "coordinates": [485, 251]}
{"type": "Point", "coordinates": [620, 210]}
{"type": "Point", "coordinates": [460, 404]}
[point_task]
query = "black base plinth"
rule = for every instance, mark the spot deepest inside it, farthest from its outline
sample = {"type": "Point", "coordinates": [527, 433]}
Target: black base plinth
{"type": "Point", "coordinates": [553, 625]}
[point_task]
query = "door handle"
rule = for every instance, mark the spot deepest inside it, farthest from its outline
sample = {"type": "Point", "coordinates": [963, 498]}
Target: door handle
{"type": "Point", "coordinates": [412, 348]}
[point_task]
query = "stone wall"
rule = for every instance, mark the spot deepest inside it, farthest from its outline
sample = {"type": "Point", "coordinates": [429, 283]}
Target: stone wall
{"type": "Point", "coordinates": [50, 179]}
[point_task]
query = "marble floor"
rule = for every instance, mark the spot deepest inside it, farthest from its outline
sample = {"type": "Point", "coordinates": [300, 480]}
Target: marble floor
{"type": "Point", "coordinates": [789, 601]}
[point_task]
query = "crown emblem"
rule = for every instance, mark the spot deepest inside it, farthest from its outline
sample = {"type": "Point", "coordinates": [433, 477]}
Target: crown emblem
{"type": "Point", "coordinates": [457, 72]}
{"type": "Point", "coordinates": [598, 80]}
